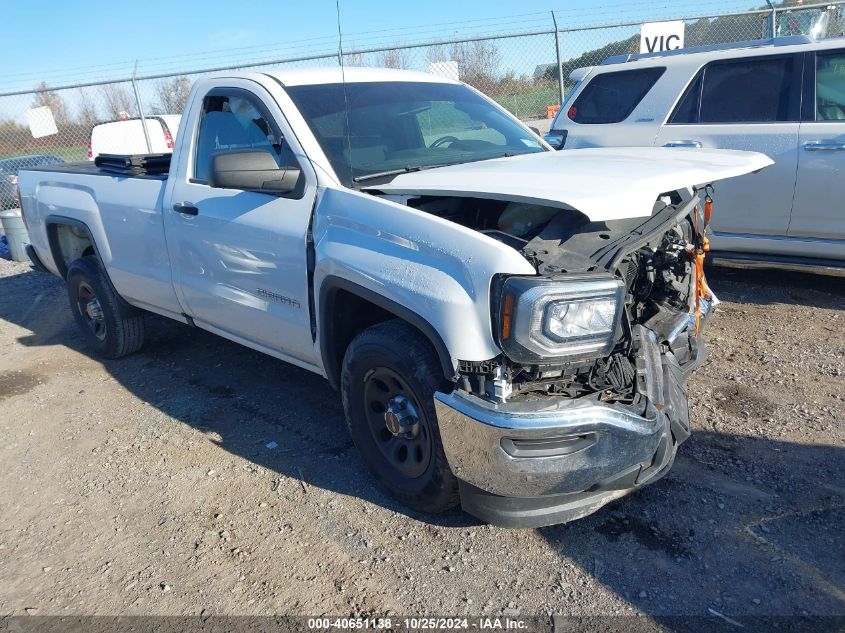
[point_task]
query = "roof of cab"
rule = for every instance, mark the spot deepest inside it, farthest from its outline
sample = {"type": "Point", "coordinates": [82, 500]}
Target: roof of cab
{"type": "Point", "coordinates": [315, 76]}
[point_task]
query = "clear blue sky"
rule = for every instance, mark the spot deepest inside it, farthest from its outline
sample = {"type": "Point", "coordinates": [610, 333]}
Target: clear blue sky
{"type": "Point", "coordinates": [65, 41]}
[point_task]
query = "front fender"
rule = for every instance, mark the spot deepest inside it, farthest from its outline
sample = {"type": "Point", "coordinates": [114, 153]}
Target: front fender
{"type": "Point", "coordinates": [434, 268]}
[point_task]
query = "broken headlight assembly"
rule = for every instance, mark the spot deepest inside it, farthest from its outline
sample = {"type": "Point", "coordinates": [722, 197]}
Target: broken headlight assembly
{"type": "Point", "coordinates": [546, 320]}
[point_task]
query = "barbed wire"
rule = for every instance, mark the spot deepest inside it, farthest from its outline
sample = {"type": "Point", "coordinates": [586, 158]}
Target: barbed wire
{"type": "Point", "coordinates": [518, 69]}
{"type": "Point", "coordinates": [400, 35]}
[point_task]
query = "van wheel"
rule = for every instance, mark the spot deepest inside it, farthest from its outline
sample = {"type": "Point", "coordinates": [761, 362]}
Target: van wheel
{"type": "Point", "coordinates": [110, 326]}
{"type": "Point", "coordinates": [390, 374]}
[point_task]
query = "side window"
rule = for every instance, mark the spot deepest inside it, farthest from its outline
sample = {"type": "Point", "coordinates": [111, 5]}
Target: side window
{"type": "Point", "coordinates": [830, 86]}
{"type": "Point", "coordinates": [749, 91]}
{"type": "Point", "coordinates": [612, 97]}
{"type": "Point", "coordinates": [755, 90]}
{"type": "Point", "coordinates": [236, 121]}
{"type": "Point", "coordinates": [688, 106]}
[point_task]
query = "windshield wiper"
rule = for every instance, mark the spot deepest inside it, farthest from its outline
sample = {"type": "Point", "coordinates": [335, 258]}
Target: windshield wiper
{"type": "Point", "coordinates": [396, 172]}
{"type": "Point", "coordinates": [412, 168]}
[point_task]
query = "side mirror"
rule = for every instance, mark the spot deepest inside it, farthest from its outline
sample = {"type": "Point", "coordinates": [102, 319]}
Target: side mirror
{"type": "Point", "coordinates": [556, 138]}
{"type": "Point", "coordinates": [536, 130]}
{"type": "Point", "coordinates": [251, 170]}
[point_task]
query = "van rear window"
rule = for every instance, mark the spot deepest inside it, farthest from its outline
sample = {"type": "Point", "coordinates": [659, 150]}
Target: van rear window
{"type": "Point", "coordinates": [612, 97]}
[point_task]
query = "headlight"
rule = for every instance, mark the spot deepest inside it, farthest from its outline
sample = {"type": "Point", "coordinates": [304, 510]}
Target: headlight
{"type": "Point", "coordinates": [543, 320]}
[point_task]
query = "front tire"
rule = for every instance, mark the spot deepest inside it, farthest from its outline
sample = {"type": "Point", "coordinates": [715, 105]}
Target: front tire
{"type": "Point", "coordinates": [390, 373]}
{"type": "Point", "coordinates": [110, 326]}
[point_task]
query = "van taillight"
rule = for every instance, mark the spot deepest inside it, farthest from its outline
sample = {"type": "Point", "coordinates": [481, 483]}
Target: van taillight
{"type": "Point", "coordinates": [168, 138]}
{"type": "Point", "coordinates": [90, 153]}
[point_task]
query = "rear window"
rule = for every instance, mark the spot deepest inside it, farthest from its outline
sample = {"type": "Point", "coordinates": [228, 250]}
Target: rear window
{"type": "Point", "coordinates": [612, 97]}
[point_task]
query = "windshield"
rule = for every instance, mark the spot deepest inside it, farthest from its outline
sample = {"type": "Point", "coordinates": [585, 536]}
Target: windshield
{"type": "Point", "coordinates": [397, 126]}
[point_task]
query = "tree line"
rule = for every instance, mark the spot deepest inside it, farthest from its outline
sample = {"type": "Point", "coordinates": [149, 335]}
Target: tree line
{"type": "Point", "coordinates": [479, 64]}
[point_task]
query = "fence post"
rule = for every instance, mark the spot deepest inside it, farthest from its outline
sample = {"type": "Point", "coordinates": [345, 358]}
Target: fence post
{"type": "Point", "coordinates": [141, 110]}
{"type": "Point", "coordinates": [773, 18]}
{"type": "Point", "coordinates": [558, 59]}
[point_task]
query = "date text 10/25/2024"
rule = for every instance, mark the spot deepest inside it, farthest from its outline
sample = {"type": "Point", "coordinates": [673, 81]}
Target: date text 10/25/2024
{"type": "Point", "coordinates": [422, 624]}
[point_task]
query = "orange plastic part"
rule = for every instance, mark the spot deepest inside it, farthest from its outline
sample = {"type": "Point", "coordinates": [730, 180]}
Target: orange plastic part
{"type": "Point", "coordinates": [507, 316]}
{"type": "Point", "coordinates": [702, 290]}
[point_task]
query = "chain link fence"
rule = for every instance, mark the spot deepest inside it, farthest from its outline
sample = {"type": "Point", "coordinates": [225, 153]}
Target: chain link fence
{"type": "Point", "coordinates": [519, 70]}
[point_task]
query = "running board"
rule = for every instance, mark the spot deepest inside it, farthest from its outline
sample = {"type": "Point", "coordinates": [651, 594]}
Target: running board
{"type": "Point", "coordinates": [830, 267]}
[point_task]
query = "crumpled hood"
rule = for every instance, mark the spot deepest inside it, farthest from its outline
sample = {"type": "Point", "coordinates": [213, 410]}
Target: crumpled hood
{"type": "Point", "coordinates": [602, 183]}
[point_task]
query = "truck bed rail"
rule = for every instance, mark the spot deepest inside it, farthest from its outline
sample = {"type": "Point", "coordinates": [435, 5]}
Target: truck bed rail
{"type": "Point", "coordinates": [134, 164]}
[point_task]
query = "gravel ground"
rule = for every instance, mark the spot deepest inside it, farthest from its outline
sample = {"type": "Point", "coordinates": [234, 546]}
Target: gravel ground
{"type": "Point", "coordinates": [145, 485]}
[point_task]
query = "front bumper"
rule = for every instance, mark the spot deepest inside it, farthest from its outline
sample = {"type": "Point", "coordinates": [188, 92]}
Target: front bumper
{"type": "Point", "coordinates": [529, 464]}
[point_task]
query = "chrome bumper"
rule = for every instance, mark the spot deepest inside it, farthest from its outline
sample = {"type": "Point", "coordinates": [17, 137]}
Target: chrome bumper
{"type": "Point", "coordinates": [509, 451]}
{"type": "Point", "coordinates": [545, 461]}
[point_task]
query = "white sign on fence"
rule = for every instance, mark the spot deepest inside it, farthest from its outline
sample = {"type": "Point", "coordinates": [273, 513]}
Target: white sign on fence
{"type": "Point", "coordinates": [656, 37]}
{"type": "Point", "coordinates": [448, 69]}
{"type": "Point", "coordinates": [41, 122]}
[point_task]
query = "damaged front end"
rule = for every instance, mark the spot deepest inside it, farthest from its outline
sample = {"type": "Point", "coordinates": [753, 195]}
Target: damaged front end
{"type": "Point", "coordinates": [587, 400]}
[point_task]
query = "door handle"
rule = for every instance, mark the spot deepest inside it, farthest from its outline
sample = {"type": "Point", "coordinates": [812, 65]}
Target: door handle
{"type": "Point", "coordinates": [185, 208]}
{"type": "Point", "coordinates": [820, 146]}
{"type": "Point", "coordinates": [695, 144]}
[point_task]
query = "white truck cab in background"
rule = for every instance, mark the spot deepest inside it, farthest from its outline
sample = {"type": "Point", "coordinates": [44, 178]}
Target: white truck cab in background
{"type": "Point", "coordinates": [126, 136]}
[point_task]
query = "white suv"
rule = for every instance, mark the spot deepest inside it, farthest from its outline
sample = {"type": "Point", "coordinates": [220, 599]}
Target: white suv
{"type": "Point", "coordinates": [783, 97]}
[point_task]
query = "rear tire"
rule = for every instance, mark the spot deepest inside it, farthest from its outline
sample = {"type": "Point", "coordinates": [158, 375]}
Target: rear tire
{"type": "Point", "coordinates": [112, 327]}
{"type": "Point", "coordinates": [391, 368]}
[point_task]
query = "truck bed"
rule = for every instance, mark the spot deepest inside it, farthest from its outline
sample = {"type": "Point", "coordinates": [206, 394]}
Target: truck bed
{"type": "Point", "coordinates": [121, 212]}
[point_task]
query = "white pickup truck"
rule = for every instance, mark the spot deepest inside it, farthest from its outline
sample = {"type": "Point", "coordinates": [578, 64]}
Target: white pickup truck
{"type": "Point", "coordinates": [509, 326]}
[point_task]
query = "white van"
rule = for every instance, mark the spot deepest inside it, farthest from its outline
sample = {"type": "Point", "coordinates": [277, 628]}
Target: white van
{"type": "Point", "coordinates": [783, 97]}
{"type": "Point", "coordinates": [127, 136]}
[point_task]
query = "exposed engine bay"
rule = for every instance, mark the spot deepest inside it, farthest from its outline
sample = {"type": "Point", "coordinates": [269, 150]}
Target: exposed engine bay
{"type": "Point", "coordinates": [652, 256]}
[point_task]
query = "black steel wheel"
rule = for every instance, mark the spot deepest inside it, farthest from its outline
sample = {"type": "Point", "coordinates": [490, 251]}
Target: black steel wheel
{"type": "Point", "coordinates": [112, 327]}
{"type": "Point", "coordinates": [401, 434]}
{"type": "Point", "coordinates": [390, 374]}
{"type": "Point", "coordinates": [89, 308]}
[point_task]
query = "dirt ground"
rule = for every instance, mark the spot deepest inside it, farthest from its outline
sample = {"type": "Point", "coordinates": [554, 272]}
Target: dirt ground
{"type": "Point", "coordinates": [145, 485]}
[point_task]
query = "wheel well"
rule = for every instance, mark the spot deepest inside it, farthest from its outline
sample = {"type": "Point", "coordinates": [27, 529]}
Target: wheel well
{"type": "Point", "coordinates": [69, 242]}
{"type": "Point", "coordinates": [350, 315]}
{"type": "Point", "coordinates": [346, 310]}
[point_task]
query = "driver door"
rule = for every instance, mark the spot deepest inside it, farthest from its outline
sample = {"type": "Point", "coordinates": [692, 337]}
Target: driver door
{"type": "Point", "coordinates": [239, 257]}
{"type": "Point", "coordinates": [750, 104]}
{"type": "Point", "coordinates": [819, 208]}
